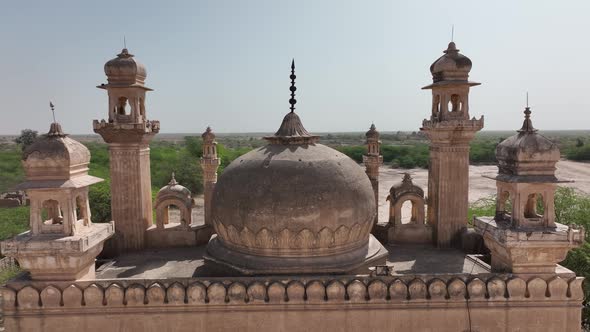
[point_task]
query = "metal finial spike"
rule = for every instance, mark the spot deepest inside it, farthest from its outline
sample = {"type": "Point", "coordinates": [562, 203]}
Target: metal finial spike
{"type": "Point", "coordinates": [124, 42]}
{"type": "Point", "coordinates": [52, 110]}
{"type": "Point", "coordinates": [453, 33]}
{"type": "Point", "coordinates": [527, 124]}
{"type": "Point", "coordinates": [527, 99]}
{"type": "Point", "coordinates": [292, 101]}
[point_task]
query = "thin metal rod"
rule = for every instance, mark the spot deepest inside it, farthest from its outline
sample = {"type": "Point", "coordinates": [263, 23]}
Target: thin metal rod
{"type": "Point", "coordinates": [52, 110]}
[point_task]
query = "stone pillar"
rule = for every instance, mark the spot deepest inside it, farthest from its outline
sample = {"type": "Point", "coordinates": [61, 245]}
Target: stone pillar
{"type": "Point", "coordinates": [131, 193]}
{"type": "Point", "coordinates": [131, 184]}
{"type": "Point", "coordinates": [128, 133]}
{"type": "Point", "coordinates": [448, 182]}
{"type": "Point", "coordinates": [450, 130]}
{"type": "Point", "coordinates": [209, 164]}
{"type": "Point", "coordinates": [373, 161]}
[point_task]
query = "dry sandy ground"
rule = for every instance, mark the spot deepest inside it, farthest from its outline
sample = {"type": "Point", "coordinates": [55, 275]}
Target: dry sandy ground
{"type": "Point", "coordinates": [479, 186]}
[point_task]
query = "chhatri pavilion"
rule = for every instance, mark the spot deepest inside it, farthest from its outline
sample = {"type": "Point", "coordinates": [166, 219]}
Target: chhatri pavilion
{"type": "Point", "coordinates": [290, 239]}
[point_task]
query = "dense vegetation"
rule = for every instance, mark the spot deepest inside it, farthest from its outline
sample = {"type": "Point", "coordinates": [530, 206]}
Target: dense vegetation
{"type": "Point", "coordinates": [182, 158]}
{"type": "Point", "coordinates": [416, 155]}
{"type": "Point", "coordinates": [571, 208]}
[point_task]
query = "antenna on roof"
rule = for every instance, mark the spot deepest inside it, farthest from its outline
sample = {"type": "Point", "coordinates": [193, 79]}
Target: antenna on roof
{"type": "Point", "coordinates": [453, 33]}
{"type": "Point", "coordinates": [52, 110]}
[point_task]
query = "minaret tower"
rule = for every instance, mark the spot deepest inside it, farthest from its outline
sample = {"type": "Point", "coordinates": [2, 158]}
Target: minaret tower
{"type": "Point", "coordinates": [210, 164]}
{"type": "Point", "coordinates": [372, 161]}
{"type": "Point", "coordinates": [450, 130]}
{"type": "Point", "coordinates": [128, 133]}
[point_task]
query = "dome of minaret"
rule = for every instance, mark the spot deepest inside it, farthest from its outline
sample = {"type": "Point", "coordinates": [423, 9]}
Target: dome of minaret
{"type": "Point", "coordinates": [451, 66]}
{"type": "Point", "coordinates": [372, 132]}
{"type": "Point", "coordinates": [55, 152]}
{"type": "Point", "coordinates": [293, 206]}
{"type": "Point", "coordinates": [54, 159]}
{"type": "Point", "coordinates": [208, 135]}
{"type": "Point", "coordinates": [527, 154]}
{"type": "Point", "coordinates": [125, 70]}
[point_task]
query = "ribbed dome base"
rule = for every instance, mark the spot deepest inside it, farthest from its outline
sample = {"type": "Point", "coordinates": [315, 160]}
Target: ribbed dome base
{"type": "Point", "coordinates": [352, 262]}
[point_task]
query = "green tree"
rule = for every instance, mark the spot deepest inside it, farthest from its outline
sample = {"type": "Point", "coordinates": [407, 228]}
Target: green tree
{"type": "Point", "coordinates": [26, 138]}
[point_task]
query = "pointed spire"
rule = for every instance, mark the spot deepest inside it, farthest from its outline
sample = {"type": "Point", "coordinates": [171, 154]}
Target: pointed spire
{"type": "Point", "coordinates": [407, 178]}
{"type": "Point", "coordinates": [172, 180]}
{"type": "Point", "coordinates": [451, 49]}
{"type": "Point", "coordinates": [291, 130]}
{"type": "Point", "coordinates": [527, 125]}
{"type": "Point", "coordinates": [125, 54]}
{"type": "Point", "coordinates": [293, 88]}
{"type": "Point", "coordinates": [52, 110]}
{"type": "Point", "coordinates": [55, 130]}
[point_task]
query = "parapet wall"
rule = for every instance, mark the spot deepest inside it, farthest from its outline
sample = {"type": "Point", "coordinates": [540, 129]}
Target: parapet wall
{"type": "Point", "coordinates": [489, 303]}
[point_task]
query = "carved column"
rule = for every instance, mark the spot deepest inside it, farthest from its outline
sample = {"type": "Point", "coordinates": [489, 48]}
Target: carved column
{"type": "Point", "coordinates": [373, 161]}
{"type": "Point", "coordinates": [209, 164]}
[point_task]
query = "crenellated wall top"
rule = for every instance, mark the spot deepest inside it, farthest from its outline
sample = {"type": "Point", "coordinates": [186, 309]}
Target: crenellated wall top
{"type": "Point", "coordinates": [435, 290]}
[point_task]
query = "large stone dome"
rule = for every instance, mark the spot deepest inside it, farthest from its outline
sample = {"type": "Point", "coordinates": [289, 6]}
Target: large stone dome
{"type": "Point", "coordinates": [282, 200]}
{"type": "Point", "coordinates": [293, 209]}
{"type": "Point", "coordinates": [294, 206]}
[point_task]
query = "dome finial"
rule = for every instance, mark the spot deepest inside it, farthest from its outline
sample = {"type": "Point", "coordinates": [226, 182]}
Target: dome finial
{"type": "Point", "coordinates": [451, 49]}
{"type": "Point", "coordinates": [293, 101]}
{"type": "Point", "coordinates": [172, 180]}
{"type": "Point", "coordinates": [52, 110]}
{"type": "Point", "coordinates": [527, 125]}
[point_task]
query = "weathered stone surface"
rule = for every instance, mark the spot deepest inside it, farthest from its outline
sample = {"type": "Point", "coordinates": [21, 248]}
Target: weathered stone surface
{"type": "Point", "coordinates": [307, 206]}
{"type": "Point", "coordinates": [62, 242]}
{"type": "Point", "coordinates": [429, 305]}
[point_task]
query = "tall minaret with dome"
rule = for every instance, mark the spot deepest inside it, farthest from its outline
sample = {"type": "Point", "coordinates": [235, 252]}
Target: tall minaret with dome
{"type": "Point", "coordinates": [128, 133]}
{"type": "Point", "coordinates": [372, 160]}
{"type": "Point", "coordinates": [450, 130]}
{"type": "Point", "coordinates": [209, 163]}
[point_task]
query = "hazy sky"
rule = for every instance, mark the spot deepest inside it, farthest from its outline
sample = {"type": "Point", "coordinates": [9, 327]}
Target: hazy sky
{"type": "Point", "coordinates": [226, 63]}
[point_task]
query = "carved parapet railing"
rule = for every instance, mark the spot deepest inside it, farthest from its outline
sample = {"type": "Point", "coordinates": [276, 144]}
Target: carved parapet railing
{"type": "Point", "coordinates": [146, 126]}
{"type": "Point", "coordinates": [474, 123]}
{"type": "Point", "coordinates": [253, 291]}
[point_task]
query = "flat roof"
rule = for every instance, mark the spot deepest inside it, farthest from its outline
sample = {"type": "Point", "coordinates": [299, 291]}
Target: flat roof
{"type": "Point", "coordinates": [171, 263]}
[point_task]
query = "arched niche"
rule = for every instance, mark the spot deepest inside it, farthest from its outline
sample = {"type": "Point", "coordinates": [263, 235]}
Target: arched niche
{"type": "Point", "coordinates": [163, 212]}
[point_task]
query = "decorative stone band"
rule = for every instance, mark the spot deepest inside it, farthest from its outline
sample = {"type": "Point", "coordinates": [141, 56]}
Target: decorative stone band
{"type": "Point", "coordinates": [296, 243]}
{"type": "Point", "coordinates": [473, 124]}
{"type": "Point", "coordinates": [147, 126]}
{"type": "Point", "coordinates": [253, 291]}
{"type": "Point", "coordinates": [447, 148]}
